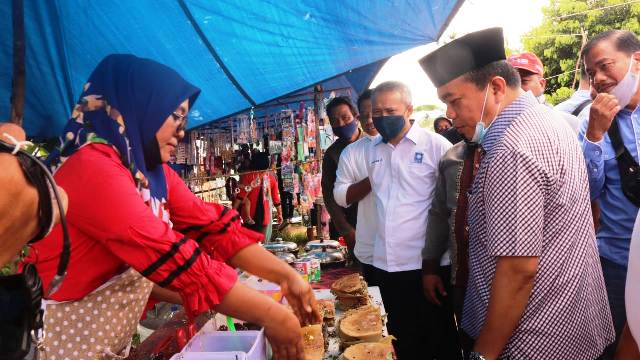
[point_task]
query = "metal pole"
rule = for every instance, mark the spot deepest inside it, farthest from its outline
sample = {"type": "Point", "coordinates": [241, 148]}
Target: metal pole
{"type": "Point", "coordinates": [18, 83]}
{"type": "Point", "coordinates": [317, 100]}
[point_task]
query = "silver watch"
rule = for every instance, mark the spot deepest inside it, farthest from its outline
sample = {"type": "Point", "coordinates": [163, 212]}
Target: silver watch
{"type": "Point", "coordinates": [474, 355]}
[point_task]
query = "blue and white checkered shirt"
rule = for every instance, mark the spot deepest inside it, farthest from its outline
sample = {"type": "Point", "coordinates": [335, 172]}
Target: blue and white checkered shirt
{"type": "Point", "coordinates": [531, 198]}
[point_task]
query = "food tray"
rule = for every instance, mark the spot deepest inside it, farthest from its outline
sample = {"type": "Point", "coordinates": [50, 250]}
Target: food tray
{"type": "Point", "coordinates": [333, 352]}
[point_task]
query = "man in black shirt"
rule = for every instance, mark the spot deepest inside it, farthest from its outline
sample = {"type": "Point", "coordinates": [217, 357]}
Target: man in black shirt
{"type": "Point", "coordinates": [342, 116]}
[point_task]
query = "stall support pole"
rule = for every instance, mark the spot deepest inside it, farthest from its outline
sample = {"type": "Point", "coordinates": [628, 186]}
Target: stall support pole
{"type": "Point", "coordinates": [317, 101]}
{"type": "Point", "coordinates": [18, 82]}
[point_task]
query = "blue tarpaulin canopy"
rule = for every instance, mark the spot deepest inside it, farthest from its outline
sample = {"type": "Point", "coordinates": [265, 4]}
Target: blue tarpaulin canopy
{"type": "Point", "coordinates": [241, 53]}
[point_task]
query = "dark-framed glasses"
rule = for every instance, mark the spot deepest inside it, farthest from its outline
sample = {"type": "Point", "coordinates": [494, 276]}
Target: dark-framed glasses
{"type": "Point", "coordinates": [181, 120]}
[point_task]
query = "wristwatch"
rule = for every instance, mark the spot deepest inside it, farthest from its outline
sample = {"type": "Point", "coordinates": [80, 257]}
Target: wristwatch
{"type": "Point", "coordinates": [474, 355]}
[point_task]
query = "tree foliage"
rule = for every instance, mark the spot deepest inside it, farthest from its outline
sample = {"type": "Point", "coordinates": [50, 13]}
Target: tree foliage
{"type": "Point", "coordinates": [558, 40]}
{"type": "Point", "coordinates": [428, 107]}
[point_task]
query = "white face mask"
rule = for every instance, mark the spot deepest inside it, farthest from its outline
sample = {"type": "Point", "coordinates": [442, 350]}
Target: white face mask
{"type": "Point", "coordinates": [481, 129]}
{"type": "Point", "coordinates": [627, 87]}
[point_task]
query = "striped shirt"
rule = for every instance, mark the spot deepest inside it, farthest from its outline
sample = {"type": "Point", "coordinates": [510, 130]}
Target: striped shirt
{"type": "Point", "coordinates": [531, 198]}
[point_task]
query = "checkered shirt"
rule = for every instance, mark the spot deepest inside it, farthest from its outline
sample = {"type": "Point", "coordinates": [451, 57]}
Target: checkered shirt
{"type": "Point", "coordinates": [531, 198]}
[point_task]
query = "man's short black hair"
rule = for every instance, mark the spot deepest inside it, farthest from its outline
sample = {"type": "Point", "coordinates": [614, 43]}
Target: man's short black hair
{"type": "Point", "coordinates": [366, 95]}
{"type": "Point", "coordinates": [624, 41]}
{"type": "Point", "coordinates": [480, 77]}
{"type": "Point", "coordinates": [440, 119]}
{"type": "Point", "coordinates": [337, 101]}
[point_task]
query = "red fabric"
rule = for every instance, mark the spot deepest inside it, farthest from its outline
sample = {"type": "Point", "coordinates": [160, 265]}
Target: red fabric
{"type": "Point", "coordinates": [247, 179]}
{"type": "Point", "coordinates": [111, 228]}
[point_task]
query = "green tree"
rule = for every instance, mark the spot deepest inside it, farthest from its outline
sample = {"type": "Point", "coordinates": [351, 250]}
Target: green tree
{"type": "Point", "coordinates": [426, 107]}
{"type": "Point", "coordinates": [558, 40]}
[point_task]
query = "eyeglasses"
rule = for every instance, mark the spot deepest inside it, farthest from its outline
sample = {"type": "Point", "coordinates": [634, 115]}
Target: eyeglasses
{"type": "Point", "coordinates": [181, 120]}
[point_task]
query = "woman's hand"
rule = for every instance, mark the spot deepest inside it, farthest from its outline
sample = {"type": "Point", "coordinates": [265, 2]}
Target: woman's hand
{"type": "Point", "coordinates": [284, 334]}
{"type": "Point", "coordinates": [258, 261]}
{"type": "Point", "coordinates": [300, 297]}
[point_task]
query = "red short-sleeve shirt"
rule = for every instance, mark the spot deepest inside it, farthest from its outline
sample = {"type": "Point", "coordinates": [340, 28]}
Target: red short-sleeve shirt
{"type": "Point", "coordinates": [111, 229]}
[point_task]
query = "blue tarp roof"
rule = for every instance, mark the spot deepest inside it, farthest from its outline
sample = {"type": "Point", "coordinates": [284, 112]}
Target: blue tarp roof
{"type": "Point", "coordinates": [241, 53]}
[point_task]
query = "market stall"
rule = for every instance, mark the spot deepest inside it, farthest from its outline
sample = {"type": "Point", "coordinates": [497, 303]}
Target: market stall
{"type": "Point", "coordinates": [262, 69]}
{"type": "Point", "coordinates": [171, 341]}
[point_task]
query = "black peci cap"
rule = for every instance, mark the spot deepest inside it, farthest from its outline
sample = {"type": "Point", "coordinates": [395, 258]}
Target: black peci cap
{"type": "Point", "coordinates": [464, 54]}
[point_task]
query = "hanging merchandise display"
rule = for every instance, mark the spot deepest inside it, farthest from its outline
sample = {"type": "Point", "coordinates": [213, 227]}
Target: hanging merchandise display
{"type": "Point", "coordinates": [215, 157]}
{"type": "Point", "coordinates": [326, 137]}
{"type": "Point", "coordinates": [243, 130]}
{"type": "Point", "coordinates": [324, 223]}
{"type": "Point", "coordinates": [286, 122]}
{"type": "Point", "coordinates": [275, 147]}
{"type": "Point", "coordinates": [181, 153]}
{"type": "Point", "coordinates": [287, 173]}
{"type": "Point", "coordinates": [301, 143]}
{"type": "Point", "coordinates": [311, 129]}
{"type": "Point", "coordinates": [253, 131]}
{"type": "Point", "coordinates": [296, 184]}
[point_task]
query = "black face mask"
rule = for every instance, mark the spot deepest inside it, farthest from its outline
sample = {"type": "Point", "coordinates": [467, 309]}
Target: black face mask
{"type": "Point", "coordinates": [21, 294]}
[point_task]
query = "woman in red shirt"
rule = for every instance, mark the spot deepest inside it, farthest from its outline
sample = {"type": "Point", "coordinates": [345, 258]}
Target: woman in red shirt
{"type": "Point", "coordinates": [260, 189]}
{"type": "Point", "coordinates": [133, 222]}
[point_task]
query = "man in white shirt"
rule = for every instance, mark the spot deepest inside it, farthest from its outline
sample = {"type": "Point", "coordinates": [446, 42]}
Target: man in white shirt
{"type": "Point", "coordinates": [352, 186]}
{"type": "Point", "coordinates": [402, 167]}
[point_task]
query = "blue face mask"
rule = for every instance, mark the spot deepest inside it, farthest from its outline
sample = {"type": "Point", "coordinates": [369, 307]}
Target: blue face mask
{"type": "Point", "coordinates": [478, 136]}
{"type": "Point", "coordinates": [389, 126]}
{"type": "Point", "coordinates": [345, 131]}
{"type": "Point", "coordinates": [481, 129]}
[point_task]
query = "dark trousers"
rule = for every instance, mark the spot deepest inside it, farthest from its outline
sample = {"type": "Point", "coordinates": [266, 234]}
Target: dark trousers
{"type": "Point", "coordinates": [423, 330]}
{"type": "Point", "coordinates": [286, 199]}
{"type": "Point", "coordinates": [615, 277]}
{"type": "Point", "coordinates": [368, 272]}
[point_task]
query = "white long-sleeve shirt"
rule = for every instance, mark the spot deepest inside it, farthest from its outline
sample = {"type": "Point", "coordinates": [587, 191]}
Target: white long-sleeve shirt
{"type": "Point", "coordinates": [403, 179]}
{"type": "Point", "coordinates": [352, 168]}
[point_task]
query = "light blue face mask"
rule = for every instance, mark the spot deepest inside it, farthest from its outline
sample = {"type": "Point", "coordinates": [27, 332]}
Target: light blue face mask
{"type": "Point", "coordinates": [478, 136]}
{"type": "Point", "coordinates": [481, 129]}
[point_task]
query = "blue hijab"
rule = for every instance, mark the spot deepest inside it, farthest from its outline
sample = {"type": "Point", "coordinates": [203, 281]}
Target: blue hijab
{"type": "Point", "coordinates": [125, 102]}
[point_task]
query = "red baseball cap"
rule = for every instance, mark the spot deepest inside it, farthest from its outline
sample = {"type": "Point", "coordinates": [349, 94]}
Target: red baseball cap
{"type": "Point", "coordinates": [527, 61]}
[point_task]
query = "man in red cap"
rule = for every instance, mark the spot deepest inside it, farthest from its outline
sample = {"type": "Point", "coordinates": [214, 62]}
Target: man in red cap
{"type": "Point", "coordinates": [532, 79]}
{"type": "Point", "coordinates": [531, 73]}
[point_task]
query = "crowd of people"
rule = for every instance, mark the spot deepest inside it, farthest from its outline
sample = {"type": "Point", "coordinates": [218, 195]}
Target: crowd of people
{"type": "Point", "coordinates": [506, 233]}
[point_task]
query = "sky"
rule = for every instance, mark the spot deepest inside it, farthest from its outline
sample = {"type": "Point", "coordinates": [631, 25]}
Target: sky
{"type": "Point", "coordinates": [516, 17]}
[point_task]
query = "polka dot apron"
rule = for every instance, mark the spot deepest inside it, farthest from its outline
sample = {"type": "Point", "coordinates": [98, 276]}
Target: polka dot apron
{"type": "Point", "coordinates": [99, 326]}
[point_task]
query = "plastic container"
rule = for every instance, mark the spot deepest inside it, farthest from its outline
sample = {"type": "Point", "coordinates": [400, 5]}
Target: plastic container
{"type": "Point", "coordinates": [222, 345]}
{"type": "Point", "coordinates": [268, 288]}
{"type": "Point", "coordinates": [209, 356]}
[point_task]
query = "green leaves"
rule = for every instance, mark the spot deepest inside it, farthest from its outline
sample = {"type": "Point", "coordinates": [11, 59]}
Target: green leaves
{"type": "Point", "coordinates": [558, 40]}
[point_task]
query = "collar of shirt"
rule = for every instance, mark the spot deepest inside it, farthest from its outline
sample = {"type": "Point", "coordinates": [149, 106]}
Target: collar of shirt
{"type": "Point", "coordinates": [581, 95]}
{"type": "Point", "coordinates": [413, 134]}
{"type": "Point", "coordinates": [496, 130]}
{"type": "Point", "coordinates": [367, 137]}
